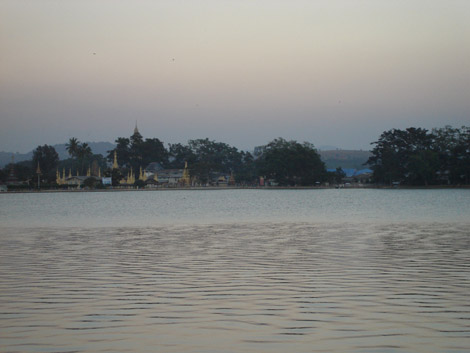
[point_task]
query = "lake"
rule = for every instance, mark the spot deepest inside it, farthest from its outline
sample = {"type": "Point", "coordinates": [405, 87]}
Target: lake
{"type": "Point", "coordinates": [356, 270]}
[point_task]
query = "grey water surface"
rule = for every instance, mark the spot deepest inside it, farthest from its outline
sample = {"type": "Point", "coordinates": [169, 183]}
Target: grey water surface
{"type": "Point", "coordinates": [236, 271]}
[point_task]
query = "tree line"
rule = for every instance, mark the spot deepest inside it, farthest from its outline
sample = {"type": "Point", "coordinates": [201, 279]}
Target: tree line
{"type": "Point", "coordinates": [417, 156]}
{"type": "Point", "coordinates": [285, 162]}
{"type": "Point", "coordinates": [282, 162]}
{"type": "Point", "coordinates": [413, 156]}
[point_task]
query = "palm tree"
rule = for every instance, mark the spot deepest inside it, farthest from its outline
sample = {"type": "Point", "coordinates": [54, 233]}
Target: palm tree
{"type": "Point", "coordinates": [84, 150]}
{"type": "Point", "coordinates": [72, 147]}
{"type": "Point", "coordinates": [83, 153]}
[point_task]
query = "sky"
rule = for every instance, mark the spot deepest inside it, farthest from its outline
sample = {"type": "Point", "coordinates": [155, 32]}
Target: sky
{"type": "Point", "coordinates": [243, 72]}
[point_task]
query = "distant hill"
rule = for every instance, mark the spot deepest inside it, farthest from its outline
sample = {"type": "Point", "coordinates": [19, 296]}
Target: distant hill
{"type": "Point", "coordinates": [96, 147]}
{"type": "Point", "coordinates": [5, 157]}
{"type": "Point", "coordinates": [332, 158]}
{"type": "Point", "coordinates": [345, 158]}
{"type": "Point", "coordinates": [326, 148]}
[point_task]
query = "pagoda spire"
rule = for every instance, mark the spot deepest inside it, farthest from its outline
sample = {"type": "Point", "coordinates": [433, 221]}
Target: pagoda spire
{"type": "Point", "coordinates": [136, 130]}
{"type": "Point", "coordinates": [115, 163]}
{"type": "Point", "coordinates": [186, 180]}
{"type": "Point", "coordinates": [58, 180]}
{"type": "Point", "coordinates": [141, 175]}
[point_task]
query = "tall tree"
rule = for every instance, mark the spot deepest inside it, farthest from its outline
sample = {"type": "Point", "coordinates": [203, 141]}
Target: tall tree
{"type": "Point", "coordinates": [206, 158]}
{"type": "Point", "coordinates": [136, 152]}
{"type": "Point", "coordinates": [84, 155]}
{"type": "Point", "coordinates": [291, 163]}
{"type": "Point", "coordinates": [179, 154]}
{"type": "Point", "coordinates": [122, 151]}
{"type": "Point", "coordinates": [48, 158]}
{"type": "Point", "coordinates": [245, 172]}
{"type": "Point", "coordinates": [152, 150]}
{"type": "Point", "coordinates": [213, 157]}
{"type": "Point", "coordinates": [453, 148]}
{"type": "Point", "coordinates": [72, 147]}
{"type": "Point", "coordinates": [411, 156]}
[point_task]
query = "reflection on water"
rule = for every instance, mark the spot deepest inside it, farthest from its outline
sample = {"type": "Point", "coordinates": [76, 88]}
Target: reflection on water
{"type": "Point", "coordinates": [236, 288]}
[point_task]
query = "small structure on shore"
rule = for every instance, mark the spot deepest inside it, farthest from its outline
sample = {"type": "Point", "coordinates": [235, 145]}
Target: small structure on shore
{"type": "Point", "coordinates": [75, 180]}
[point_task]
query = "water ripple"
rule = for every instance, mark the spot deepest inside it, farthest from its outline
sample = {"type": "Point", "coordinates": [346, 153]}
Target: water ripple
{"type": "Point", "coordinates": [231, 287]}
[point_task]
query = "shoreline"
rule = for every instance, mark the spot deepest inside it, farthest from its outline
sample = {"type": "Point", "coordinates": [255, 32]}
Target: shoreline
{"type": "Point", "coordinates": [202, 188]}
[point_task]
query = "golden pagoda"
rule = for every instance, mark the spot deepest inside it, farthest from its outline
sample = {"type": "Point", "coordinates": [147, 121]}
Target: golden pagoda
{"type": "Point", "coordinates": [60, 180]}
{"type": "Point", "coordinates": [88, 172]}
{"type": "Point", "coordinates": [155, 177]}
{"type": "Point", "coordinates": [130, 179]}
{"type": "Point", "coordinates": [186, 180]}
{"type": "Point", "coordinates": [70, 172]}
{"type": "Point", "coordinates": [141, 175]}
{"type": "Point", "coordinates": [115, 163]}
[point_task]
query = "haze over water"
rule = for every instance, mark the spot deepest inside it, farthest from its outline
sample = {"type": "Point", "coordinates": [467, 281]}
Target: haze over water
{"type": "Point", "coordinates": [235, 271]}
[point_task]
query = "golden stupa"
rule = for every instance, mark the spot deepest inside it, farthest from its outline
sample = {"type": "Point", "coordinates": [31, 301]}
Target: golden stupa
{"type": "Point", "coordinates": [186, 179]}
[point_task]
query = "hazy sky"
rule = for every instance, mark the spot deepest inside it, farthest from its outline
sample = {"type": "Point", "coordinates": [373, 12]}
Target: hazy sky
{"type": "Point", "coordinates": [333, 72]}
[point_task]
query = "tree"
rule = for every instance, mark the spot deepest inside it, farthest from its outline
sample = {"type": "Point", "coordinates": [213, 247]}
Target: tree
{"type": "Point", "coordinates": [339, 175]}
{"type": "Point", "coordinates": [122, 150]}
{"type": "Point", "coordinates": [116, 177]}
{"type": "Point", "coordinates": [136, 152]}
{"type": "Point", "coordinates": [245, 173]}
{"type": "Point", "coordinates": [84, 150]}
{"type": "Point", "coordinates": [423, 165]}
{"type": "Point", "coordinates": [23, 171]}
{"type": "Point", "coordinates": [180, 154]}
{"type": "Point", "coordinates": [291, 163]}
{"type": "Point", "coordinates": [405, 156]}
{"type": "Point", "coordinates": [148, 151]}
{"type": "Point", "coordinates": [213, 157]}
{"type": "Point", "coordinates": [48, 159]}
{"type": "Point", "coordinates": [461, 157]}
{"type": "Point", "coordinates": [453, 148]}
{"type": "Point", "coordinates": [419, 157]}
{"type": "Point", "coordinates": [72, 147]}
{"type": "Point", "coordinates": [206, 158]}
{"type": "Point", "coordinates": [84, 155]}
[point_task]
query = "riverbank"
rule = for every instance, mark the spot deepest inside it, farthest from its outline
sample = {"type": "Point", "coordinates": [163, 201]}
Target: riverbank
{"type": "Point", "coordinates": [199, 188]}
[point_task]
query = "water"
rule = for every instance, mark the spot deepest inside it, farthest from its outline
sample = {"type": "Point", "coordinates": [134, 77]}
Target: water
{"type": "Point", "coordinates": [236, 271]}
{"type": "Point", "coordinates": [154, 208]}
